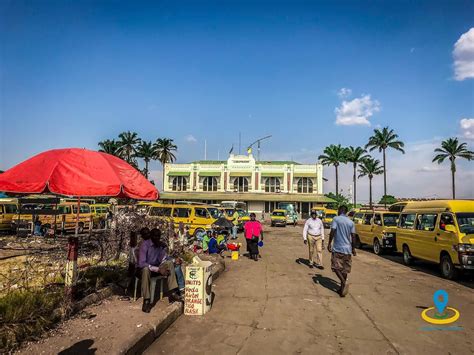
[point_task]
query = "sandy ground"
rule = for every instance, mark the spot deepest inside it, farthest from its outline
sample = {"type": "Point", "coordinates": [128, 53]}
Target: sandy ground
{"type": "Point", "coordinates": [279, 305]}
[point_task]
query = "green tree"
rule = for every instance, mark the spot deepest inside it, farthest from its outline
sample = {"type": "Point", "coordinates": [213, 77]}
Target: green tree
{"type": "Point", "coordinates": [164, 149]}
{"type": "Point", "coordinates": [109, 146]}
{"type": "Point", "coordinates": [382, 140]}
{"type": "Point", "coordinates": [334, 155]}
{"type": "Point", "coordinates": [452, 149]}
{"type": "Point", "coordinates": [388, 200]}
{"type": "Point", "coordinates": [355, 156]}
{"type": "Point", "coordinates": [370, 167]}
{"type": "Point", "coordinates": [128, 145]}
{"type": "Point", "coordinates": [146, 152]}
{"type": "Point", "coordinates": [340, 200]}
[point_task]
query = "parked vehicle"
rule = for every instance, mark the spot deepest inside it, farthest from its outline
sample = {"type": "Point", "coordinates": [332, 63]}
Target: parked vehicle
{"type": "Point", "coordinates": [278, 218]}
{"type": "Point", "coordinates": [377, 229]}
{"type": "Point", "coordinates": [197, 217]}
{"type": "Point", "coordinates": [328, 216]}
{"type": "Point", "coordinates": [290, 211]}
{"type": "Point", "coordinates": [99, 214]}
{"type": "Point", "coordinates": [8, 209]}
{"type": "Point", "coordinates": [439, 231]}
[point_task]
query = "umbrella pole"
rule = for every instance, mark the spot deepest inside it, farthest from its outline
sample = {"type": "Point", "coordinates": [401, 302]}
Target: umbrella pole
{"type": "Point", "coordinates": [71, 265]}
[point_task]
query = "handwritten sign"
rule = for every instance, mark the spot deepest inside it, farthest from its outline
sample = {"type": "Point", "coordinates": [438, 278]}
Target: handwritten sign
{"type": "Point", "coordinates": [198, 288]}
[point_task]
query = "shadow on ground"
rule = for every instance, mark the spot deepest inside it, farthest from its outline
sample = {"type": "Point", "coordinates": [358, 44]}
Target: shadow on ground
{"type": "Point", "coordinates": [326, 282]}
{"type": "Point", "coordinates": [82, 347]}
{"type": "Point", "coordinates": [302, 261]}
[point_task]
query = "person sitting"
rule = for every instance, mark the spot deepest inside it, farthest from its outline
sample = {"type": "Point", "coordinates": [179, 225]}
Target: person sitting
{"type": "Point", "coordinates": [205, 241]}
{"type": "Point", "coordinates": [152, 261]}
{"type": "Point", "coordinates": [213, 246]}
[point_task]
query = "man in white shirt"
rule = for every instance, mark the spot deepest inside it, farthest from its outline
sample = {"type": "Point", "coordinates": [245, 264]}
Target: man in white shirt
{"type": "Point", "coordinates": [313, 235]}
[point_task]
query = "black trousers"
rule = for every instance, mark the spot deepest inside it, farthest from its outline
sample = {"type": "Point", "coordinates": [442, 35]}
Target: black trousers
{"type": "Point", "coordinates": [252, 246]}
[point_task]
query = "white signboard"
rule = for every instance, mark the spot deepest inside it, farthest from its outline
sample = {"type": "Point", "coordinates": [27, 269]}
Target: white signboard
{"type": "Point", "coordinates": [198, 291]}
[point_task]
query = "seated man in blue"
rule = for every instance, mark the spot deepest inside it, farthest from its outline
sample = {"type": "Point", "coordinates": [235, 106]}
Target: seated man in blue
{"type": "Point", "coordinates": [153, 261]}
{"type": "Point", "coordinates": [213, 246]}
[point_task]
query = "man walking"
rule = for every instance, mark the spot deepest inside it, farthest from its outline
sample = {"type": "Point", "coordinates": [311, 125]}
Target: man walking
{"type": "Point", "coordinates": [235, 222]}
{"type": "Point", "coordinates": [343, 234]}
{"type": "Point", "coordinates": [313, 235]}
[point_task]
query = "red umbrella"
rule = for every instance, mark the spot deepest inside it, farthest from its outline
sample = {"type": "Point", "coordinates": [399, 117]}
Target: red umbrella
{"type": "Point", "coordinates": [77, 172]}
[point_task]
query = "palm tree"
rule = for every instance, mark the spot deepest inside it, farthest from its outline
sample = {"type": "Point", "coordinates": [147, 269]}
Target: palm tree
{"type": "Point", "coordinates": [109, 146]}
{"type": "Point", "coordinates": [382, 140]}
{"type": "Point", "coordinates": [128, 144]}
{"type": "Point", "coordinates": [370, 167]}
{"type": "Point", "coordinates": [355, 156]}
{"type": "Point", "coordinates": [334, 155]}
{"type": "Point", "coordinates": [452, 149]}
{"type": "Point", "coordinates": [145, 151]}
{"type": "Point", "coordinates": [163, 150]}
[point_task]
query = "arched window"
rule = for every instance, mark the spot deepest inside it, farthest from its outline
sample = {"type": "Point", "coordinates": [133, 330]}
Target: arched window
{"type": "Point", "coordinates": [241, 184]}
{"type": "Point", "coordinates": [179, 183]}
{"type": "Point", "coordinates": [272, 184]}
{"type": "Point", "coordinates": [209, 184]}
{"type": "Point", "coordinates": [305, 185]}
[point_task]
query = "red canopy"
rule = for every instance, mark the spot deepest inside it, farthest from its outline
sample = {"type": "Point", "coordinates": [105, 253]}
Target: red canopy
{"type": "Point", "coordinates": [77, 172]}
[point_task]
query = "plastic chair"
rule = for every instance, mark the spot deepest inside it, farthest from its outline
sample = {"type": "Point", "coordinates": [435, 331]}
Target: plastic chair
{"type": "Point", "coordinates": [153, 282]}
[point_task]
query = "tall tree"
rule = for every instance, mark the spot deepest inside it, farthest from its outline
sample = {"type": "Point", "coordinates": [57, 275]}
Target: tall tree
{"type": "Point", "coordinates": [146, 152]}
{"type": "Point", "coordinates": [128, 145]}
{"type": "Point", "coordinates": [355, 156]}
{"type": "Point", "coordinates": [452, 149]}
{"type": "Point", "coordinates": [370, 167]}
{"type": "Point", "coordinates": [334, 155]}
{"type": "Point", "coordinates": [109, 146]}
{"type": "Point", "coordinates": [382, 140]}
{"type": "Point", "coordinates": [164, 149]}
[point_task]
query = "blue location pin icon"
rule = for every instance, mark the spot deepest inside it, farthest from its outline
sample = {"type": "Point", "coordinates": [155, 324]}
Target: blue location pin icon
{"type": "Point", "coordinates": [440, 299]}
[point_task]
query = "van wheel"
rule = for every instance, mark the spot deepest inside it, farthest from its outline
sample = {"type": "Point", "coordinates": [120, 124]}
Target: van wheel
{"type": "Point", "coordinates": [357, 244]}
{"type": "Point", "coordinates": [377, 247]}
{"type": "Point", "coordinates": [198, 231]}
{"type": "Point", "coordinates": [448, 271]}
{"type": "Point", "coordinates": [80, 228]}
{"type": "Point", "coordinates": [407, 258]}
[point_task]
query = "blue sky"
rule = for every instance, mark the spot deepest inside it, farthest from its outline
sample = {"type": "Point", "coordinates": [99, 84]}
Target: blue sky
{"type": "Point", "coordinates": [75, 73]}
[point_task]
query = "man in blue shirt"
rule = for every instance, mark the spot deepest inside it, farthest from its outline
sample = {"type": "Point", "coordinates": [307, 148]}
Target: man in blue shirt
{"type": "Point", "coordinates": [343, 234]}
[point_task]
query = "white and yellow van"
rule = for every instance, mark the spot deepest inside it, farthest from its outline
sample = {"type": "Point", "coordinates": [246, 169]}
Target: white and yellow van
{"type": "Point", "coordinates": [376, 228]}
{"type": "Point", "coordinates": [197, 217]}
{"type": "Point", "coordinates": [8, 209]}
{"type": "Point", "coordinates": [440, 232]}
{"type": "Point", "coordinates": [328, 217]}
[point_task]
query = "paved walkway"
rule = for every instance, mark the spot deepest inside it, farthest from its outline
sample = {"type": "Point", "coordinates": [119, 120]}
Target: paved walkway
{"type": "Point", "coordinates": [279, 306]}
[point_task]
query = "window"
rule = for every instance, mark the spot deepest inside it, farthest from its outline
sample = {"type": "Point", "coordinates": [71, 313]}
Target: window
{"type": "Point", "coordinates": [305, 185]}
{"type": "Point", "coordinates": [215, 213]}
{"type": "Point", "coordinates": [407, 221]}
{"type": "Point", "coordinates": [241, 184]}
{"type": "Point", "coordinates": [179, 183]}
{"type": "Point", "coordinates": [278, 214]}
{"type": "Point", "coordinates": [209, 183]}
{"type": "Point", "coordinates": [378, 219]}
{"type": "Point", "coordinates": [201, 212]}
{"type": "Point", "coordinates": [83, 209]}
{"type": "Point", "coordinates": [181, 212]}
{"type": "Point", "coordinates": [272, 184]}
{"type": "Point", "coordinates": [64, 209]}
{"type": "Point", "coordinates": [466, 222]}
{"type": "Point", "coordinates": [390, 220]}
{"type": "Point", "coordinates": [358, 218]}
{"type": "Point", "coordinates": [426, 222]}
{"type": "Point", "coordinates": [367, 218]}
{"type": "Point", "coordinates": [10, 208]}
{"type": "Point", "coordinates": [160, 211]}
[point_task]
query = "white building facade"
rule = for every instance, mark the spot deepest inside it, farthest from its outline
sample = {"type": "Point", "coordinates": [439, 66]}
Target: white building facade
{"type": "Point", "coordinates": [262, 184]}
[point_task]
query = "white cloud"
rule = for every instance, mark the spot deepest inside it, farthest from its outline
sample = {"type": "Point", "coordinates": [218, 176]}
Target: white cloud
{"type": "Point", "coordinates": [357, 111]}
{"type": "Point", "coordinates": [463, 54]}
{"type": "Point", "coordinates": [344, 93]}
{"type": "Point", "coordinates": [467, 128]}
{"type": "Point", "coordinates": [190, 138]}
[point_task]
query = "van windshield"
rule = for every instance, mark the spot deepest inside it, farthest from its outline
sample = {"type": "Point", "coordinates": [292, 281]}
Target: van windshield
{"type": "Point", "coordinates": [330, 215]}
{"type": "Point", "coordinates": [214, 212]}
{"type": "Point", "coordinates": [390, 220]}
{"type": "Point", "coordinates": [279, 214]}
{"type": "Point", "coordinates": [466, 222]}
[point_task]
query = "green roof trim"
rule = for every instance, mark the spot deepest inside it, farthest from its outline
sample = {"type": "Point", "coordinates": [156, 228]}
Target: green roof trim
{"type": "Point", "coordinates": [310, 175]}
{"type": "Point", "coordinates": [240, 173]}
{"type": "Point", "coordinates": [209, 173]}
{"type": "Point", "coordinates": [278, 162]}
{"type": "Point", "coordinates": [267, 174]}
{"type": "Point", "coordinates": [179, 173]}
{"type": "Point", "coordinates": [209, 162]}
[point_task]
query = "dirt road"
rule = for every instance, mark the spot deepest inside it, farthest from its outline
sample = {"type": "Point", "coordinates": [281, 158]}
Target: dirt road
{"type": "Point", "coordinates": [279, 305]}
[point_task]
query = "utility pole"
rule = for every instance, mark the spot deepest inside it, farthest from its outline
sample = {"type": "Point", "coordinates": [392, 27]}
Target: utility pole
{"type": "Point", "coordinates": [258, 145]}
